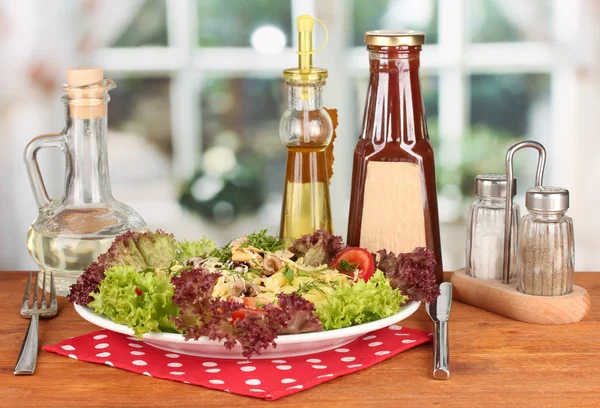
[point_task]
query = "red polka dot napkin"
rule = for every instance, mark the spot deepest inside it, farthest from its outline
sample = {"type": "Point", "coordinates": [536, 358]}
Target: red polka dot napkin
{"type": "Point", "coordinates": [267, 379]}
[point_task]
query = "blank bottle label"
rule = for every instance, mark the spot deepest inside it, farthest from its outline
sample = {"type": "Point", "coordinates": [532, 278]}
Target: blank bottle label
{"type": "Point", "coordinates": [393, 216]}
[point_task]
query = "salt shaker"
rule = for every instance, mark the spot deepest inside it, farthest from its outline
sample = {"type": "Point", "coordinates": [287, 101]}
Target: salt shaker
{"type": "Point", "coordinates": [546, 243]}
{"type": "Point", "coordinates": [485, 231]}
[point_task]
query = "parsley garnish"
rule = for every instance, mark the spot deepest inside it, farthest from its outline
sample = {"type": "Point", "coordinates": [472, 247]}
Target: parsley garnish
{"type": "Point", "coordinates": [308, 286]}
{"type": "Point", "coordinates": [263, 241]}
{"type": "Point", "coordinates": [346, 266]}
{"type": "Point", "coordinates": [288, 273]}
{"type": "Point", "coordinates": [223, 253]}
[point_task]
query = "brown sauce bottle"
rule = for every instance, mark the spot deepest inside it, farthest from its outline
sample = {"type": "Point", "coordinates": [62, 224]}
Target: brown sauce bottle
{"type": "Point", "coordinates": [393, 202]}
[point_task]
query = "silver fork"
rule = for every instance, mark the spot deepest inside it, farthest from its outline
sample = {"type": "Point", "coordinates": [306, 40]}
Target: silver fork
{"type": "Point", "coordinates": [28, 355]}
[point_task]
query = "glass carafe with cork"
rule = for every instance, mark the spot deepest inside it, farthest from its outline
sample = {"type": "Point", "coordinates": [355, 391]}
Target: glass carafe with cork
{"type": "Point", "coordinates": [306, 131]}
{"type": "Point", "coordinates": [70, 232]}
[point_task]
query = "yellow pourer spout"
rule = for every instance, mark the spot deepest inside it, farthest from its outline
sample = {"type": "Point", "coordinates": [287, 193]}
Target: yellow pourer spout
{"type": "Point", "coordinates": [305, 25]}
{"type": "Point", "coordinates": [305, 73]}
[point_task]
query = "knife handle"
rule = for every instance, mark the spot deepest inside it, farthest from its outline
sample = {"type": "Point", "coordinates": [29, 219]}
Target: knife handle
{"type": "Point", "coordinates": [441, 363]}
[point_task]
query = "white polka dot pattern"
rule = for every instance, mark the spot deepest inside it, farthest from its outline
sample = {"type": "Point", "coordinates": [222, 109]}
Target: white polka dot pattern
{"type": "Point", "coordinates": [369, 337]}
{"type": "Point", "coordinates": [283, 367]}
{"type": "Point", "coordinates": [261, 378]}
{"type": "Point", "coordinates": [135, 345]}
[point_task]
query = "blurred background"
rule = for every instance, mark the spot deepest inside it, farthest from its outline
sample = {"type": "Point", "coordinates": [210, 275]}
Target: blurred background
{"type": "Point", "coordinates": [193, 141]}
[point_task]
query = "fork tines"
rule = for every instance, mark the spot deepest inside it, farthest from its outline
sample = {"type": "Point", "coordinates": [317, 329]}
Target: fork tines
{"type": "Point", "coordinates": [43, 309]}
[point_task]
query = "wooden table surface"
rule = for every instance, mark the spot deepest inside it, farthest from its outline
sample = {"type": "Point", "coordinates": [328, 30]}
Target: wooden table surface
{"type": "Point", "coordinates": [494, 362]}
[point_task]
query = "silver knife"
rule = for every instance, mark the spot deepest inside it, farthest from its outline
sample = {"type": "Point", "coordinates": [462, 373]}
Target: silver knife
{"type": "Point", "coordinates": [439, 310]}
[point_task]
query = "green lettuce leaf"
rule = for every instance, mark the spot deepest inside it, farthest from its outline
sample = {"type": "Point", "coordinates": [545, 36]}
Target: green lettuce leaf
{"type": "Point", "coordinates": [141, 300]}
{"type": "Point", "coordinates": [188, 250]}
{"type": "Point", "coordinates": [361, 303]}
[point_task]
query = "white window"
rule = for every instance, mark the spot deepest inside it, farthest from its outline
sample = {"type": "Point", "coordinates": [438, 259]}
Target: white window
{"type": "Point", "coordinates": [203, 83]}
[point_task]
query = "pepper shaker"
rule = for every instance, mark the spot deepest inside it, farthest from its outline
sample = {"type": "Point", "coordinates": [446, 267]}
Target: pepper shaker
{"type": "Point", "coordinates": [485, 230]}
{"type": "Point", "coordinates": [510, 193]}
{"type": "Point", "coordinates": [546, 244]}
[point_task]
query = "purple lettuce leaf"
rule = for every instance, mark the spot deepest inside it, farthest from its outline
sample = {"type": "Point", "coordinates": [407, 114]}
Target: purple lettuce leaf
{"type": "Point", "coordinates": [412, 273]}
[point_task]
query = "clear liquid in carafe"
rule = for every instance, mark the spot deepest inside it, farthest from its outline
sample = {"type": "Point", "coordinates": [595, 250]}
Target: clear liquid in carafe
{"type": "Point", "coordinates": [69, 241]}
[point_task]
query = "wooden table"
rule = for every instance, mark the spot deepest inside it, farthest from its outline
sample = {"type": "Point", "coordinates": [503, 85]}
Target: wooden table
{"type": "Point", "coordinates": [494, 361]}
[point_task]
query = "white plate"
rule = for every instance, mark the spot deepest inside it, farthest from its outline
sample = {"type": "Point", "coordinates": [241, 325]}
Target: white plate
{"type": "Point", "coordinates": [289, 345]}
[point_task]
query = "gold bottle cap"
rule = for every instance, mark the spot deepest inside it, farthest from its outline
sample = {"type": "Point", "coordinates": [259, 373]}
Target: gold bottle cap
{"type": "Point", "coordinates": [394, 38]}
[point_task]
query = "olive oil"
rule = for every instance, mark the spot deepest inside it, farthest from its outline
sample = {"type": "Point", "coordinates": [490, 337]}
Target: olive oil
{"type": "Point", "coordinates": [304, 209]}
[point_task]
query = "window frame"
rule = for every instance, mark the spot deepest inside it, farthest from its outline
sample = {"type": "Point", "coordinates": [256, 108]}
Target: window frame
{"type": "Point", "coordinates": [453, 59]}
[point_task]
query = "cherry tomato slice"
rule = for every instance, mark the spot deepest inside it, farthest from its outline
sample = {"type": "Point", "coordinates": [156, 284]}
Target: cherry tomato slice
{"type": "Point", "coordinates": [359, 257]}
{"type": "Point", "coordinates": [241, 313]}
{"type": "Point", "coordinates": [254, 302]}
{"type": "Point", "coordinates": [252, 305]}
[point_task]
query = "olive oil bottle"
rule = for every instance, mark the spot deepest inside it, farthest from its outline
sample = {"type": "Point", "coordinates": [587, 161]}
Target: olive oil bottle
{"type": "Point", "coordinates": [306, 130]}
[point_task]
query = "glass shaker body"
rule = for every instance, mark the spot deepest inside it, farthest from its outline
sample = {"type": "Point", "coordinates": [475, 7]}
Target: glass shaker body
{"type": "Point", "coordinates": [485, 238]}
{"type": "Point", "coordinates": [547, 254]}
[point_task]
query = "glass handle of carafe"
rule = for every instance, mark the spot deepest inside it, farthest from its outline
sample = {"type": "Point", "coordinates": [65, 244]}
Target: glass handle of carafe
{"type": "Point", "coordinates": [33, 169]}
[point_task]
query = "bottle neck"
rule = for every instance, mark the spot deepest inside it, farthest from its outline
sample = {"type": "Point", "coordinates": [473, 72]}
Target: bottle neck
{"type": "Point", "coordinates": [394, 108]}
{"type": "Point", "coordinates": [87, 180]}
{"type": "Point", "coordinates": [309, 96]}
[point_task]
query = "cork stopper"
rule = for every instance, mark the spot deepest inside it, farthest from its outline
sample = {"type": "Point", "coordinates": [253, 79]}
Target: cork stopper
{"type": "Point", "coordinates": [86, 92]}
{"type": "Point", "coordinates": [82, 76]}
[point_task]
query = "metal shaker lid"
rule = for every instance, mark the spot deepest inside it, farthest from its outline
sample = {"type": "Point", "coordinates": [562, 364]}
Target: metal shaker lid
{"type": "Point", "coordinates": [492, 185]}
{"type": "Point", "coordinates": [545, 198]}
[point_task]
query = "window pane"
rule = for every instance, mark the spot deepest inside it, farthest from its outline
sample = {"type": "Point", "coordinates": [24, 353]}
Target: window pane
{"type": "Point", "coordinates": [395, 15]}
{"type": "Point", "coordinates": [504, 110]}
{"type": "Point", "coordinates": [510, 20]}
{"type": "Point", "coordinates": [149, 27]}
{"type": "Point", "coordinates": [140, 139]}
{"type": "Point", "coordinates": [232, 23]}
{"type": "Point", "coordinates": [244, 160]}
